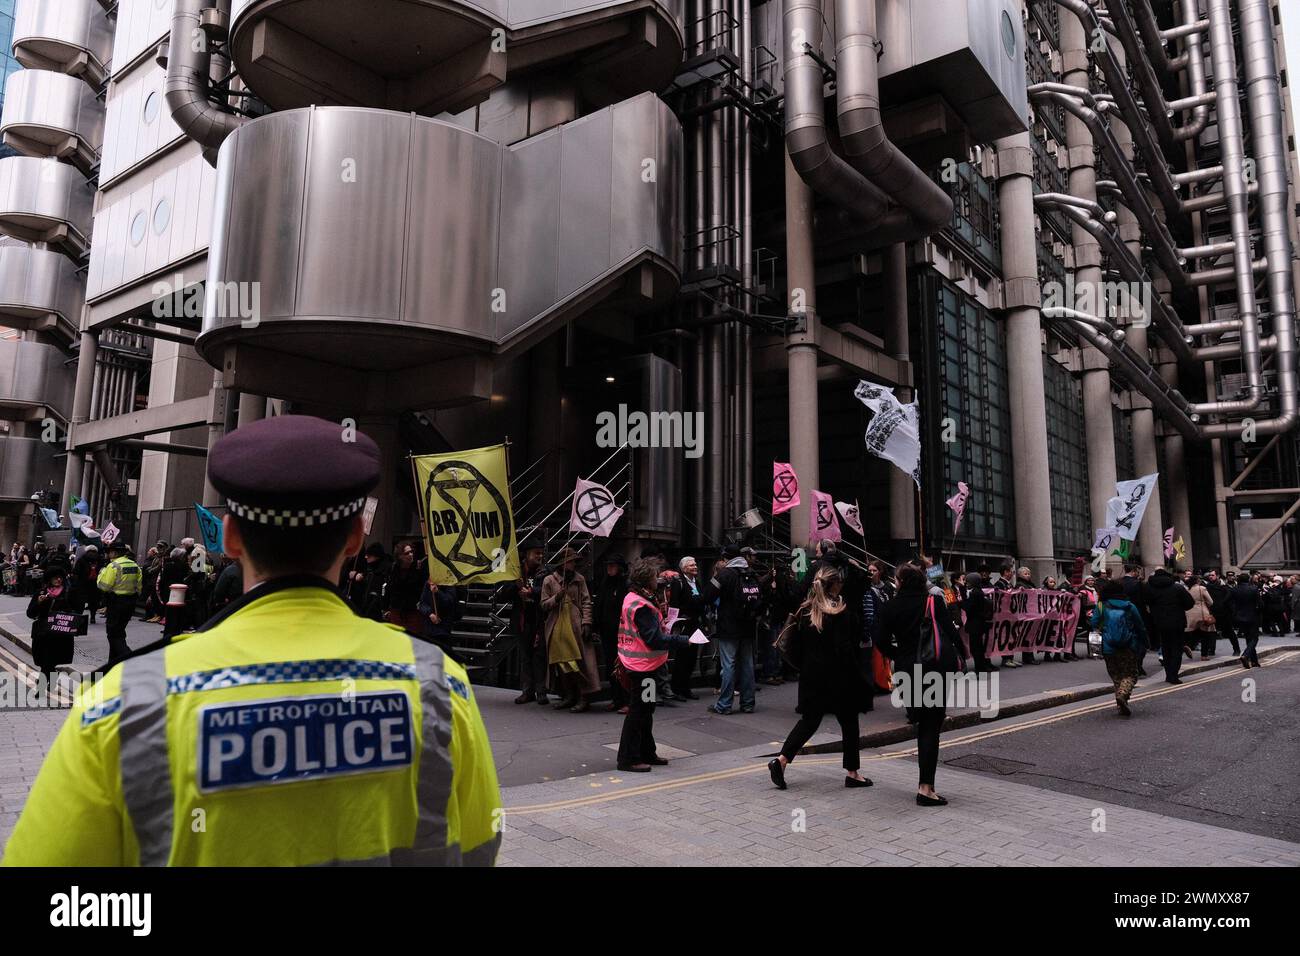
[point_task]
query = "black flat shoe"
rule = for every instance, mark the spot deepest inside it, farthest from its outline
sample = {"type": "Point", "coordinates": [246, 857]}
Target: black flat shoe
{"type": "Point", "coordinates": [1173, 680]}
{"type": "Point", "coordinates": [778, 773]}
{"type": "Point", "coordinates": [852, 782]}
{"type": "Point", "coordinates": [1245, 663]}
{"type": "Point", "coordinates": [923, 801]}
{"type": "Point", "coordinates": [689, 696]}
{"type": "Point", "coordinates": [634, 768]}
{"type": "Point", "coordinates": [658, 761]}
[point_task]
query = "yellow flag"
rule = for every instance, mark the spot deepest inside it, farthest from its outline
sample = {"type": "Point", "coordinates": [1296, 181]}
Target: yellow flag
{"type": "Point", "coordinates": [465, 513]}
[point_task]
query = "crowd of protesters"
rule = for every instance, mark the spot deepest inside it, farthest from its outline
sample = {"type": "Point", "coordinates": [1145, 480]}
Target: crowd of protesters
{"type": "Point", "coordinates": [840, 628]}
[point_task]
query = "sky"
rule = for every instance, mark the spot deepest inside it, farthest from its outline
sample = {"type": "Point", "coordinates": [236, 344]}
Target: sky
{"type": "Point", "coordinates": [1291, 34]}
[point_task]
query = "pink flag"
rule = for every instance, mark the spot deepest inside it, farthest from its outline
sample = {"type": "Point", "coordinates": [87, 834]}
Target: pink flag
{"type": "Point", "coordinates": [1169, 542]}
{"type": "Point", "coordinates": [958, 504]}
{"type": "Point", "coordinates": [785, 488]}
{"type": "Point", "coordinates": [825, 526]}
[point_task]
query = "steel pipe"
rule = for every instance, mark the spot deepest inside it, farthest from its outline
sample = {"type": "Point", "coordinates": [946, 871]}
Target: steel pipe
{"type": "Point", "coordinates": [189, 85]}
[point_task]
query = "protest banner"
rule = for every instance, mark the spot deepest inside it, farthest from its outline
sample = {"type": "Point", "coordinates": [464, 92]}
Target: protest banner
{"type": "Point", "coordinates": [1032, 619]}
{"type": "Point", "coordinates": [468, 522]}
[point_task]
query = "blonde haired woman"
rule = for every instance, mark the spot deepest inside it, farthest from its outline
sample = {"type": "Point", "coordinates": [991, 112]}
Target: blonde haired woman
{"type": "Point", "coordinates": [825, 646]}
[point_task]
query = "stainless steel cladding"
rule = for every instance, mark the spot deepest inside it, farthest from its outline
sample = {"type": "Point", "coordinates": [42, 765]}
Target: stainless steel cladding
{"type": "Point", "coordinates": [137, 122]}
{"type": "Point", "coordinates": [50, 114]}
{"type": "Point", "coordinates": [430, 56]}
{"type": "Point", "coordinates": [973, 55]}
{"type": "Point", "coordinates": [141, 26]}
{"type": "Point", "coordinates": [26, 465]}
{"type": "Point", "coordinates": [44, 200]}
{"type": "Point", "coordinates": [34, 375]}
{"type": "Point", "coordinates": [39, 290]}
{"type": "Point", "coordinates": [68, 36]}
{"type": "Point", "coordinates": [380, 240]}
{"type": "Point", "coordinates": [152, 226]}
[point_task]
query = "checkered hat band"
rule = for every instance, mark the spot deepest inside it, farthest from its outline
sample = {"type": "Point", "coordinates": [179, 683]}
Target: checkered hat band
{"type": "Point", "coordinates": [290, 672]}
{"type": "Point", "coordinates": [295, 517]}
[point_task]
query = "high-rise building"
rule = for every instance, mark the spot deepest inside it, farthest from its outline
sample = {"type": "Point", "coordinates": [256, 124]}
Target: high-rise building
{"type": "Point", "coordinates": [1068, 232]}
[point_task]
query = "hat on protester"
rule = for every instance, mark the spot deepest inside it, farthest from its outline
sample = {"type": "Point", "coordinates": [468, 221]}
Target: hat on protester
{"type": "Point", "coordinates": [294, 471]}
{"type": "Point", "coordinates": [566, 554]}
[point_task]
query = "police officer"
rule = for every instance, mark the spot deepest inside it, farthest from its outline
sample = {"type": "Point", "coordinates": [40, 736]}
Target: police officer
{"type": "Point", "coordinates": [120, 580]}
{"type": "Point", "coordinates": [288, 730]}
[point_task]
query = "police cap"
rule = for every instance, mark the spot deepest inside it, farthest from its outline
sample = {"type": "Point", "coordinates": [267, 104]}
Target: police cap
{"type": "Point", "coordinates": [294, 471]}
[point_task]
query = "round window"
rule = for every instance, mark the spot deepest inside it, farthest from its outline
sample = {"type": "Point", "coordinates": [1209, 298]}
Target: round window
{"type": "Point", "coordinates": [137, 228]}
{"type": "Point", "coordinates": [162, 216]}
{"type": "Point", "coordinates": [1008, 34]}
{"type": "Point", "coordinates": [151, 103]}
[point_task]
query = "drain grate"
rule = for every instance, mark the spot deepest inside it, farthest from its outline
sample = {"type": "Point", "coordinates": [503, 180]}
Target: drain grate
{"type": "Point", "coordinates": [987, 764]}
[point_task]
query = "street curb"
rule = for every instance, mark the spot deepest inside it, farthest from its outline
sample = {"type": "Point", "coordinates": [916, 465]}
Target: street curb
{"type": "Point", "coordinates": [1019, 707]}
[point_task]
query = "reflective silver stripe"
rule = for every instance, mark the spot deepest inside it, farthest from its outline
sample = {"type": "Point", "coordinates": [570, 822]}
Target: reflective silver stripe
{"type": "Point", "coordinates": [145, 766]}
{"type": "Point", "coordinates": [433, 786]}
{"type": "Point", "coordinates": [446, 856]}
{"type": "Point", "coordinates": [627, 653]}
{"type": "Point", "coordinates": [485, 854]}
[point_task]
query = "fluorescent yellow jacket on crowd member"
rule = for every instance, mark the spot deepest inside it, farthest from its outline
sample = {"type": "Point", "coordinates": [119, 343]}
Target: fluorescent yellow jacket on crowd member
{"type": "Point", "coordinates": [289, 732]}
{"type": "Point", "coordinates": [121, 576]}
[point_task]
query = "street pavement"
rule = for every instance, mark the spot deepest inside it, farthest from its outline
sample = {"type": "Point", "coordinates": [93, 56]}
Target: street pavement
{"type": "Point", "coordinates": [1187, 780]}
{"type": "Point", "coordinates": [722, 810]}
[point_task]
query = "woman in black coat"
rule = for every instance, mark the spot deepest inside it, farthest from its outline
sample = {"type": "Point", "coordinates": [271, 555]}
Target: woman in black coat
{"type": "Point", "coordinates": [979, 615]}
{"type": "Point", "coordinates": [50, 649]}
{"type": "Point", "coordinates": [826, 646]}
{"type": "Point", "coordinates": [901, 624]}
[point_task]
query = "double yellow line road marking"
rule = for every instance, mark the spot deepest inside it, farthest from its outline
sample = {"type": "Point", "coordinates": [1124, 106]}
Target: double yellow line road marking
{"type": "Point", "coordinates": [1107, 704]}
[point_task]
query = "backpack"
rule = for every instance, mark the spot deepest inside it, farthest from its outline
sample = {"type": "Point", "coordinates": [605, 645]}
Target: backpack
{"type": "Point", "coordinates": [1116, 630]}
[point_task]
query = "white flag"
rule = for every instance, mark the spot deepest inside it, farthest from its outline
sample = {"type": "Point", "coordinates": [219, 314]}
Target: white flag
{"type": "Point", "coordinates": [1126, 509]}
{"type": "Point", "coordinates": [83, 524]}
{"type": "Point", "coordinates": [1105, 539]}
{"type": "Point", "coordinates": [594, 510]}
{"type": "Point", "coordinates": [850, 515]}
{"type": "Point", "coordinates": [894, 433]}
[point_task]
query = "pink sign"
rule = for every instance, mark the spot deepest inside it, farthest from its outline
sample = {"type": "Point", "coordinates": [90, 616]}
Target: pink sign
{"type": "Point", "coordinates": [1032, 619]}
{"type": "Point", "coordinates": [825, 525]}
{"type": "Point", "coordinates": [785, 488]}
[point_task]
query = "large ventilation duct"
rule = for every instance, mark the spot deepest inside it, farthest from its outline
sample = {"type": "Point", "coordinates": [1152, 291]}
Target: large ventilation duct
{"type": "Point", "coordinates": [1158, 109]}
{"type": "Point", "coordinates": [1264, 101]}
{"type": "Point", "coordinates": [189, 87]}
{"type": "Point", "coordinates": [921, 210]}
{"type": "Point", "coordinates": [805, 119]}
{"type": "Point", "coordinates": [1192, 59]}
{"type": "Point", "coordinates": [1137, 122]}
{"type": "Point", "coordinates": [862, 130]}
{"type": "Point", "coordinates": [1265, 105]}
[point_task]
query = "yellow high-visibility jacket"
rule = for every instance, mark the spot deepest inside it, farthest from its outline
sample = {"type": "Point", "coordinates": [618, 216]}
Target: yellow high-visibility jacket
{"type": "Point", "coordinates": [290, 732]}
{"type": "Point", "coordinates": [121, 576]}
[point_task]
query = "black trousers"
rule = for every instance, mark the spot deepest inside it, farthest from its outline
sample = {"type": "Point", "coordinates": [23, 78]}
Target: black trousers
{"type": "Point", "coordinates": [977, 652]}
{"type": "Point", "coordinates": [928, 722]}
{"type": "Point", "coordinates": [637, 742]}
{"type": "Point", "coordinates": [1250, 634]}
{"type": "Point", "coordinates": [532, 665]}
{"type": "Point", "coordinates": [1209, 640]}
{"type": "Point", "coordinates": [1228, 631]}
{"type": "Point", "coordinates": [1171, 648]}
{"type": "Point", "coordinates": [118, 612]}
{"type": "Point", "coordinates": [807, 726]}
{"type": "Point", "coordinates": [683, 668]}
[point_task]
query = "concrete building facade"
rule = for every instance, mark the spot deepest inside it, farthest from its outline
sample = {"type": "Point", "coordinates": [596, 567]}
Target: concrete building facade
{"type": "Point", "coordinates": [1068, 231]}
